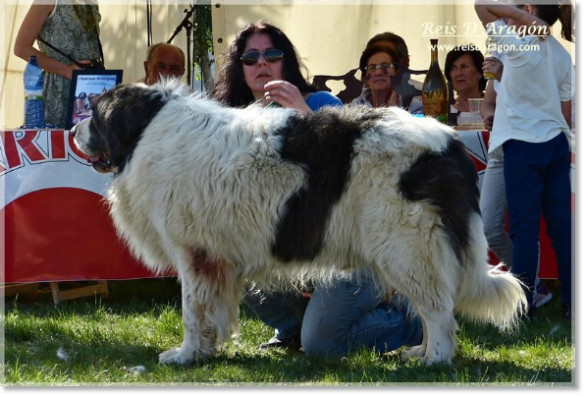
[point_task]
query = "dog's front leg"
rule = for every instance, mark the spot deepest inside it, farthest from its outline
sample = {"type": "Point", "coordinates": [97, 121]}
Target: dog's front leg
{"type": "Point", "coordinates": [190, 348]}
{"type": "Point", "coordinates": [210, 303]}
{"type": "Point", "coordinates": [419, 350]}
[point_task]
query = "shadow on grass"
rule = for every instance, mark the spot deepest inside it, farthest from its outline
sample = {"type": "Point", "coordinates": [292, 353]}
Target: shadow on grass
{"type": "Point", "coordinates": [247, 364]}
{"type": "Point", "coordinates": [98, 357]}
{"type": "Point", "coordinates": [360, 368]}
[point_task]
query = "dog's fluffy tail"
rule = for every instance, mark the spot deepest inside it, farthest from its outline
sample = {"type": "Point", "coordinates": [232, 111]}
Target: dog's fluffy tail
{"type": "Point", "coordinates": [488, 293]}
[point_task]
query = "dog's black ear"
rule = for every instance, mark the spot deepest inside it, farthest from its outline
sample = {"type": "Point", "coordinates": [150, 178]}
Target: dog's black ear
{"type": "Point", "coordinates": [123, 115]}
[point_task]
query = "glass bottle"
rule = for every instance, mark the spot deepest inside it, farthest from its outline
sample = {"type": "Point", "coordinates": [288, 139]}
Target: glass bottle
{"type": "Point", "coordinates": [435, 89]}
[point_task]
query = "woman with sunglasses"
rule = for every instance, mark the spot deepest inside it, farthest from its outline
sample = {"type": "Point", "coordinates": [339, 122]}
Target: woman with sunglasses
{"type": "Point", "coordinates": [262, 65]}
{"type": "Point", "coordinates": [378, 63]}
{"type": "Point", "coordinates": [348, 312]}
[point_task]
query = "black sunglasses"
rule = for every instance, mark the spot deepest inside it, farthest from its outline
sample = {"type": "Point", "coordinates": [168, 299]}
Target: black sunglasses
{"type": "Point", "coordinates": [272, 55]}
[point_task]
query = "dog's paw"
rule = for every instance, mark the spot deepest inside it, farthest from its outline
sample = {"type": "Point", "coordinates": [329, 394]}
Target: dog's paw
{"type": "Point", "coordinates": [414, 352]}
{"type": "Point", "coordinates": [430, 360]}
{"type": "Point", "coordinates": [176, 356]}
{"type": "Point", "coordinates": [426, 357]}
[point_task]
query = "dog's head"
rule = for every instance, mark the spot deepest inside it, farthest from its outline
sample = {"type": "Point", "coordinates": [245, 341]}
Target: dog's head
{"type": "Point", "coordinates": [118, 120]}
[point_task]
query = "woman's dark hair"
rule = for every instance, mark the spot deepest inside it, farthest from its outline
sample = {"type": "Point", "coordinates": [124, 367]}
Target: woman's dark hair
{"type": "Point", "coordinates": [401, 46]}
{"type": "Point", "coordinates": [231, 88]}
{"type": "Point", "coordinates": [477, 58]}
{"type": "Point", "coordinates": [566, 17]}
{"type": "Point", "coordinates": [550, 13]}
{"type": "Point", "coordinates": [375, 49]}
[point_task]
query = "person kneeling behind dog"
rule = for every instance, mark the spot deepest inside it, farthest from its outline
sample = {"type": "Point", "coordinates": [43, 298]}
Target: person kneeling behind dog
{"type": "Point", "coordinates": [345, 314]}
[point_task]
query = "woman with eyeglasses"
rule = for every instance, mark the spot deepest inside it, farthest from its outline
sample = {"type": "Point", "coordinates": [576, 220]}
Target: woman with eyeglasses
{"type": "Point", "coordinates": [262, 65]}
{"type": "Point", "coordinates": [378, 63]}
{"type": "Point", "coordinates": [350, 311]}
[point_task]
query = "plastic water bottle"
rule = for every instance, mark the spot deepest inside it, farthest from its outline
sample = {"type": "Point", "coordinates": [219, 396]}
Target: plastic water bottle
{"type": "Point", "coordinates": [34, 107]}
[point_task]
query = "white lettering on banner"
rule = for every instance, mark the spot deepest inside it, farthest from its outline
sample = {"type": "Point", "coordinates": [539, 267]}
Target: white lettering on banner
{"type": "Point", "coordinates": [35, 160]}
{"type": "Point", "coordinates": [32, 160]}
{"type": "Point", "coordinates": [17, 148]}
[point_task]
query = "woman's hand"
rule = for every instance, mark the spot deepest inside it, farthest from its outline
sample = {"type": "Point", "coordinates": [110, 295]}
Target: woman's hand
{"type": "Point", "coordinates": [488, 121]}
{"type": "Point", "coordinates": [70, 68]}
{"type": "Point", "coordinates": [286, 95]}
{"type": "Point", "coordinates": [394, 99]}
{"type": "Point", "coordinates": [493, 65]}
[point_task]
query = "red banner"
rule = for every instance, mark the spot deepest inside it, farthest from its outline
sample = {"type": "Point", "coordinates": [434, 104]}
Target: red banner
{"type": "Point", "coordinates": [57, 226]}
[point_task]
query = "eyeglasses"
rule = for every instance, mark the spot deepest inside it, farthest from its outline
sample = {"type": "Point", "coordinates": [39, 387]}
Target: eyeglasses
{"type": "Point", "coordinates": [251, 58]}
{"type": "Point", "coordinates": [386, 68]}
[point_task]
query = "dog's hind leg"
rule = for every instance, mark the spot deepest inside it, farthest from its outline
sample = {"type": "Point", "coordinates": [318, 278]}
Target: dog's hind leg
{"type": "Point", "coordinates": [424, 269]}
{"type": "Point", "coordinates": [210, 302]}
{"type": "Point", "coordinates": [439, 342]}
{"type": "Point", "coordinates": [434, 304]}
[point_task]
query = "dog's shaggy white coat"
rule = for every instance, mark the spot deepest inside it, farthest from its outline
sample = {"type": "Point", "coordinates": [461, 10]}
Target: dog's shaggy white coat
{"type": "Point", "coordinates": [205, 188]}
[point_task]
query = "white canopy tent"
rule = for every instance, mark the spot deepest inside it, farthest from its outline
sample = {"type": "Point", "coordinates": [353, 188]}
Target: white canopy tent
{"type": "Point", "coordinates": [329, 35]}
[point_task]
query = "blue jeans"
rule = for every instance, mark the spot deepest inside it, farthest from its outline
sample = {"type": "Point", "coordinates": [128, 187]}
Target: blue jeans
{"type": "Point", "coordinates": [493, 206]}
{"type": "Point", "coordinates": [537, 177]}
{"type": "Point", "coordinates": [340, 318]}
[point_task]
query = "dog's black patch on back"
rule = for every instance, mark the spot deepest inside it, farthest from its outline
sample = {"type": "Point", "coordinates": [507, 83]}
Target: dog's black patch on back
{"type": "Point", "coordinates": [122, 115]}
{"type": "Point", "coordinates": [323, 143]}
{"type": "Point", "coordinates": [449, 181]}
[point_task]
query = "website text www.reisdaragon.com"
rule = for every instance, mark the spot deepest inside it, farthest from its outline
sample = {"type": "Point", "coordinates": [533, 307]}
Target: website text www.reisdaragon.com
{"type": "Point", "coordinates": [491, 47]}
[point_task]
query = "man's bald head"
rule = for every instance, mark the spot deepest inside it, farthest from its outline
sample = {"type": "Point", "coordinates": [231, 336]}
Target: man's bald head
{"type": "Point", "coordinates": [163, 60]}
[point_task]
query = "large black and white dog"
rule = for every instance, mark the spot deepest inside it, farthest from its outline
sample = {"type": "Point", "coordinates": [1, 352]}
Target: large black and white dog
{"type": "Point", "coordinates": [222, 195]}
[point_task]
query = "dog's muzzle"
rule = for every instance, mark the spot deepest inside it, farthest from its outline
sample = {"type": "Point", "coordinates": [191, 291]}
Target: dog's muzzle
{"type": "Point", "coordinates": [100, 162]}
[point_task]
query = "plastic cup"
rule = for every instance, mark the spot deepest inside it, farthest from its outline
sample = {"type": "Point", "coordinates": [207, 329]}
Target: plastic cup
{"type": "Point", "coordinates": [489, 75]}
{"type": "Point", "coordinates": [474, 105]}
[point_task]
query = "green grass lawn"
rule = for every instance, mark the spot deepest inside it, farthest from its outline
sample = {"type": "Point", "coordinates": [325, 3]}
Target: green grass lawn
{"type": "Point", "coordinates": [117, 341]}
